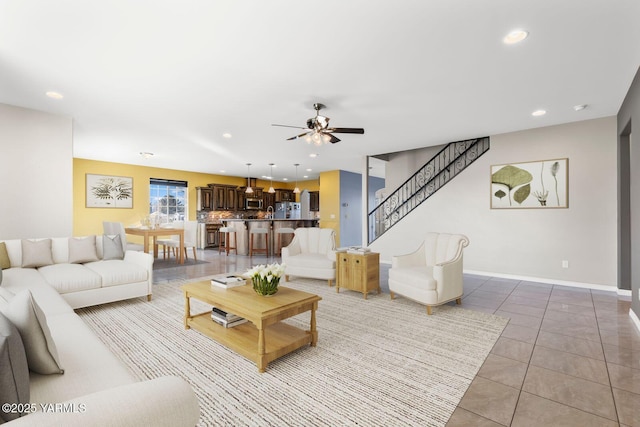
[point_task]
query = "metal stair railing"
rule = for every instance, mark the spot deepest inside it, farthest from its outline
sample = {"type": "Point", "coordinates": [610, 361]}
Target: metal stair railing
{"type": "Point", "coordinates": [438, 171]}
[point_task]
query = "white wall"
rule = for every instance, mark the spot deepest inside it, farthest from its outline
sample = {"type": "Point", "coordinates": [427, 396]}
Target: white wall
{"type": "Point", "coordinates": [36, 171]}
{"type": "Point", "coordinates": [530, 243]}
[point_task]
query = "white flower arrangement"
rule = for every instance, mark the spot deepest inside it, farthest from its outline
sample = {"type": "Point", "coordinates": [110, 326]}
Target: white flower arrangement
{"type": "Point", "coordinates": [265, 278]}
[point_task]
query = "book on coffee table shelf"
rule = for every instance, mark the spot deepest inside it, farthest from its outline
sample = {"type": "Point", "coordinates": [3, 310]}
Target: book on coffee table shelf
{"type": "Point", "coordinates": [227, 282]}
{"type": "Point", "coordinates": [228, 320]}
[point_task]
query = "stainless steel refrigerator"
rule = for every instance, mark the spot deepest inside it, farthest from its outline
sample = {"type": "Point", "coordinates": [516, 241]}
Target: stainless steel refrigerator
{"type": "Point", "coordinates": [287, 210]}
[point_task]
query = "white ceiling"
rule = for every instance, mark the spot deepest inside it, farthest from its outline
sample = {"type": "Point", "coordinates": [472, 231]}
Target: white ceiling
{"type": "Point", "coordinates": [170, 77]}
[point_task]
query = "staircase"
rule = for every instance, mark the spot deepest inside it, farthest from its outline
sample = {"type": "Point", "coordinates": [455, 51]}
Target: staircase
{"type": "Point", "coordinates": [438, 171]}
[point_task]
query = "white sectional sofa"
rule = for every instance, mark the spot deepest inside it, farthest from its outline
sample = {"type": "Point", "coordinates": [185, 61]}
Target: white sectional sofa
{"type": "Point", "coordinates": [95, 388]}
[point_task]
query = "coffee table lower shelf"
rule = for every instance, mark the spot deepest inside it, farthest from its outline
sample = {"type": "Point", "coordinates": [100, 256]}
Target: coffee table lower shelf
{"type": "Point", "coordinates": [280, 338]}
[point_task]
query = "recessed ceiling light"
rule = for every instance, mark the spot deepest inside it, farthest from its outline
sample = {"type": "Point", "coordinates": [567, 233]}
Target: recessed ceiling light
{"type": "Point", "coordinates": [285, 179]}
{"type": "Point", "coordinates": [579, 107]}
{"type": "Point", "coordinates": [226, 135]}
{"type": "Point", "coordinates": [305, 176]}
{"type": "Point", "coordinates": [146, 154]}
{"type": "Point", "coordinates": [313, 155]}
{"type": "Point", "coordinates": [222, 171]}
{"type": "Point", "coordinates": [539, 113]}
{"type": "Point", "coordinates": [515, 36]}
{"type": "Point", "coordinates": [309, 170]}
{"type": "Point", "coordinates": [54, 95]}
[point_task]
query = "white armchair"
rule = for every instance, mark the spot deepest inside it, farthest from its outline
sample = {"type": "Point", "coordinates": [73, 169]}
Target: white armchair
{"type": "Point", "coordinates": [311, 253]}
{"type": "Point", "coordinates": [431, 275]}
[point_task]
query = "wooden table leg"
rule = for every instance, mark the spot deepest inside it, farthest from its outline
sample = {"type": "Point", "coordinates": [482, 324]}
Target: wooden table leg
{"type": "Point", "coordinates": [155, 247]}
{"type": "Point", "coordinates": [313, 331]}
{"type": "Point", "coordinates": [262, 364]}
{"type": "Point", "coordinates": [187, 311]}
{"type": "Point", "coordinates": [146, 244]}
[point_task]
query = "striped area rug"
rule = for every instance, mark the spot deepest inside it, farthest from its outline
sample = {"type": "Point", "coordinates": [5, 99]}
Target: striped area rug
{"type": "Point", "coordinates": [377, 362]}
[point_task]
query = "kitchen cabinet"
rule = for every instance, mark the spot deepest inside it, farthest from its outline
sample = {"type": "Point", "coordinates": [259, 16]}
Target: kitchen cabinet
{"type": "Point", "coordinates": [205, 198]}
{"type": "Point", "coordinates": [285, 195]}
{"type": "Point", "coordinates": [358, 272]}
{"type": "Point", "coordinates": [314, 201]}
{"type": "Point", "coordinates": [231, 198]}
{"type": "Point", "coordinates": [212, 235]}
{"type": "Point", "coordinates": [240, 197]}
{"type": "Point", "coordinates": [268, 199]}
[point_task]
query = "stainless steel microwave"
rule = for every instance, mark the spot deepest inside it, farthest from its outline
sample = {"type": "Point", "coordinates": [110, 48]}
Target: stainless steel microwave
{"type": "Point", "coordinates": [252, 204]}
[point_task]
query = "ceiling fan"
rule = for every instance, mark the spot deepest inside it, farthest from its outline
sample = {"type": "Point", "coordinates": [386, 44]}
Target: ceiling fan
{"type": "Point", "coordinates": [318, 130]}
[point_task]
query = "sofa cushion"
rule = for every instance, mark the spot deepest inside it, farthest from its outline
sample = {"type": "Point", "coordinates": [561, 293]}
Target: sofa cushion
{"type": "Point", "coordinates": [49, 300]}
{"type": "Point", "coordinates": [5, 262]}
{"type": "Point", "coordinates": [70, 277]}
{"type": "Point", "coordinates": [14, 371]}
{"type": "Point", "coordinates": [112, 247]}
{"type": "Point", "coordinates": [115, 272]}
{"type": "Point", "coordinates": [89, 364]}
{"type": "Point", "coordinates": [36, 253]}
{"type": "Point", "coordinates": [311, 261]}
{"type": "Point", "coordinates": [26, 315]}
{"type": "Point", "coordinates": [420, 276]}
{"type": "Point", "coordinates": [82, 249]}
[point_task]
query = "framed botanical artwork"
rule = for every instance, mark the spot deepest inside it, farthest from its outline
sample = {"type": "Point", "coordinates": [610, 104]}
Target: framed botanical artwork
{"type": "Point", "coordinates": [541, 184]}
{"type": "Point", "coordinates": [106, 191]}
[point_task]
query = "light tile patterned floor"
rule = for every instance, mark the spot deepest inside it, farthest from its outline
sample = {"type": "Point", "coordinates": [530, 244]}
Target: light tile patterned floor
{"type": "Point", "coordinates": [569, 356]}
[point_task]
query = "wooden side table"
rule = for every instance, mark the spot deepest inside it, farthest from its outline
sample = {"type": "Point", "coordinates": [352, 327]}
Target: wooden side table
{"type": "Point", "coordinates": [358, 272]}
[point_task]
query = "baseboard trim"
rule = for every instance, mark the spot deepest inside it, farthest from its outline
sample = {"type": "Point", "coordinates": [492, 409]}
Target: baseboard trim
{"type": "Point", "coordinates": [548, 281]}
{"type": "Point", "coordinates": [624, 292]}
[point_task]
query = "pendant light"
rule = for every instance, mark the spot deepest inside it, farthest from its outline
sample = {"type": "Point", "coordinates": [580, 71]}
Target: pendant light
{"type": "Point", "coordinates": [296, 190]}
{"type": "Point", "coordinates": [271, 189]}
{"type": "Point", "coordinates": [249, 189]}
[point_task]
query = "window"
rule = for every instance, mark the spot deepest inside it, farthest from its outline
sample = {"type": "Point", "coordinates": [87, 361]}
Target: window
{"type": "Point", "coordinates": [167, 200]}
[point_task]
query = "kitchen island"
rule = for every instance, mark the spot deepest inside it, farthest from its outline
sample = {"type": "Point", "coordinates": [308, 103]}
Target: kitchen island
{"type": "Point", "coordinates": [244, 226]}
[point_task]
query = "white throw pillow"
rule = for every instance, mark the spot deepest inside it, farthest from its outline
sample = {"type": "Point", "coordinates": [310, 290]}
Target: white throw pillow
{"type": "Point", "coordinates": [36, 253]}
{"type": "Point", "coordinates": [29, 319]}
{"type": "Point", "coordinates": [82, 249]}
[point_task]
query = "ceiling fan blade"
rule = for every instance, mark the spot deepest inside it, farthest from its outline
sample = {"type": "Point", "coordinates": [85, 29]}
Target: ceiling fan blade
{"type": "Point", "coordinates": [333, 139]}
{"type": "Point", "coordinates": [287, 126]}
{"type": "Point", "coordinates": [297, 136]}
{"type": "Point", "coordinates": [346, 130]}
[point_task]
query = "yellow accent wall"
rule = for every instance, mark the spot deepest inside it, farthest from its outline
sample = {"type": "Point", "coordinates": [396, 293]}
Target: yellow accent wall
{"type": "Point", "coordinates": [330, 201]}
{"type": "Point", "coordinates": [88, 221]}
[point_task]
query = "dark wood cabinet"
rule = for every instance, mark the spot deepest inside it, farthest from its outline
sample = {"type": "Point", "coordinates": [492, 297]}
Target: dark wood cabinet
{"type": "Point", "coordinates": [212, 235]}
{"type": "Point", "coordinates": [268, 199]}
{"type": "Point", "coordinates": [314, 201]}
{"type": "Point", "coordinates": [285, 195]}
{"type": "Point", "coordinates": [219, 198]}
{"type": "Point", "coordinates": [240, 197]}
{"type": "Point", "coordinates": [231, 198]}
{"type": "Point", "coordinates": [205, 198]}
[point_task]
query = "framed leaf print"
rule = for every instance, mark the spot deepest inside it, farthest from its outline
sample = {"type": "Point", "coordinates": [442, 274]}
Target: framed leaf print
{"type": "Point", "coordinates": [541, 184]}
{"type": "Point", "coordinates": [106, 191]}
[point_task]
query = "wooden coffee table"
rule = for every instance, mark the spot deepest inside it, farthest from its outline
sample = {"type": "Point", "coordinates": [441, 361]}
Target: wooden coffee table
{"type": "Point", "coordinates": [264, 338]}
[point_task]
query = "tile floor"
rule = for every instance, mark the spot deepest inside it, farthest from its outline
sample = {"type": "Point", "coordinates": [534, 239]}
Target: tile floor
{"type": "Point", "coordinates": [568, 357]}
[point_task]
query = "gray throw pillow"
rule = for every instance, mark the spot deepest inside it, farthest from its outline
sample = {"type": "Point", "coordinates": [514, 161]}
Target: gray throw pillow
{"type": "Point", "coordinates": [36, 253]}
{"type": "Point", "coordinates": [14, 371]}
{"type": "Point", "coordinates": [30, 320]}
{"type": "Point", "coordinates": [112, 247]}
{"type": "Point", "coordinates": [82, 249]}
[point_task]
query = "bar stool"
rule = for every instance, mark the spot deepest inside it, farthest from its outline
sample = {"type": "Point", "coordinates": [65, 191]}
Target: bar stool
{"type": "Point", "coordinates": [259, 231]}
{"type": "Point", "coordinates": [280, 232]}
{"type": "Point", "coordinates": [226, 232]}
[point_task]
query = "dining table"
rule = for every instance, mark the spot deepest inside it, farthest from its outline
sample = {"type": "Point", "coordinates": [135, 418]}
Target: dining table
{"type": "Point", "coordinates": [147, 232]}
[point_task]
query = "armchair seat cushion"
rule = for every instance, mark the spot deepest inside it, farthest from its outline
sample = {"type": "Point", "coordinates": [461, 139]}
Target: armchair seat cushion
{"type": "Point", "coordinates": [420, 277]}
{"type": "Point", "coordinates": [312, 261]}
